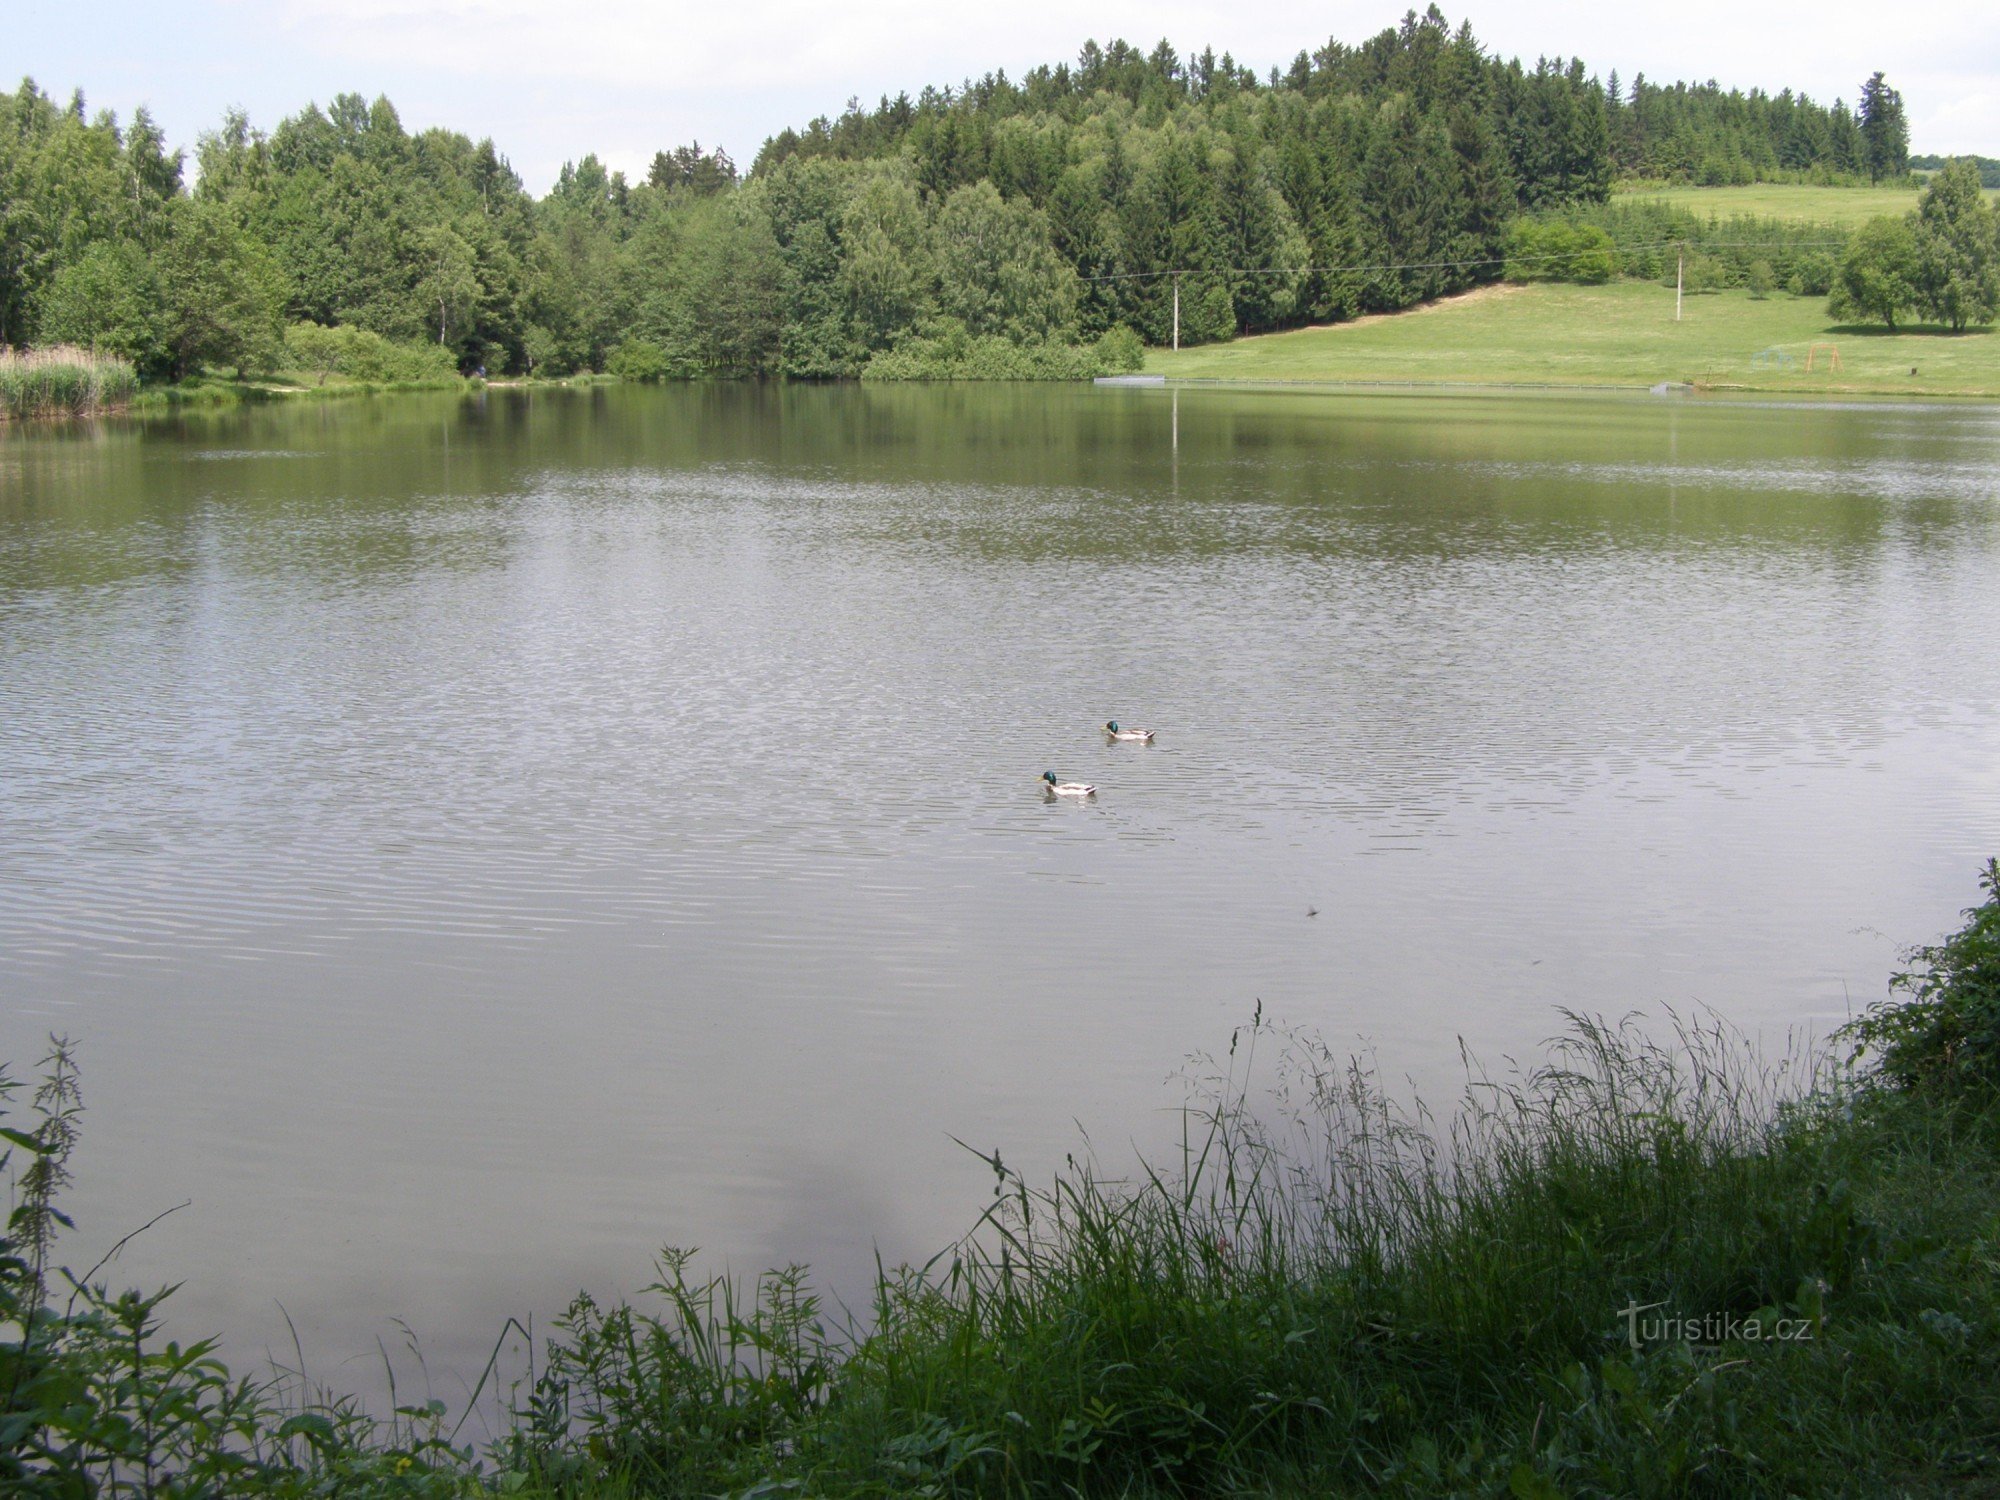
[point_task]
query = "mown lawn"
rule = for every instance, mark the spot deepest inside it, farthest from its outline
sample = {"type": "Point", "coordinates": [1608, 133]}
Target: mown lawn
{"type": "Point", "coordinates": [1620, 334]}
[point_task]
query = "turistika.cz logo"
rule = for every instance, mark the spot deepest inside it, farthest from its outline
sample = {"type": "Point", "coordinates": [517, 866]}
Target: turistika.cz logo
{"type": "Point", "coordinates": [1710, 1330]}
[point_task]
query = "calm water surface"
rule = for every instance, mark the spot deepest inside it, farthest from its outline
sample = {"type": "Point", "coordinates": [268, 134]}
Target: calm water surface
{"type": "Point", "coordinates": [475, 842]}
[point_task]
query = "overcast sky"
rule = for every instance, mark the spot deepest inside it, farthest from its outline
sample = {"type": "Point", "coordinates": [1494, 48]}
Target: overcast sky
{"type": "Point", "coordinates": [550, 82]}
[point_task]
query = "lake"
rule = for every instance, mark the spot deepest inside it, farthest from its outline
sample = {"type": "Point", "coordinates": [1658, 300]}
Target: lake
{"type": "Point", "coordinates": [475, 841]}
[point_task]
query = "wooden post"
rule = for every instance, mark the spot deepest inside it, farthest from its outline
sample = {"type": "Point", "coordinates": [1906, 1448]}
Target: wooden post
{"type": "Point", "coordinates": [1680, 270]}
{"type": "Point", "coordinates": [1177, 312]}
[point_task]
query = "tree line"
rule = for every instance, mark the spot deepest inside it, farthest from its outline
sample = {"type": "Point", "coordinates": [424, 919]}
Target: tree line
{"type": "Point", "coordinates": [1030, 225]}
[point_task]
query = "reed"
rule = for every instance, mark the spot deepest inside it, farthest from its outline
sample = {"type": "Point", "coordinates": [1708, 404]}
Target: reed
{"type": "Point", "coordinates": [63, 381]}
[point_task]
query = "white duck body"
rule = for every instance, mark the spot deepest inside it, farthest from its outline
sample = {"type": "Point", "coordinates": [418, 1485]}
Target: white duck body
{"type": "Point", "coordinates": [1067, 788]}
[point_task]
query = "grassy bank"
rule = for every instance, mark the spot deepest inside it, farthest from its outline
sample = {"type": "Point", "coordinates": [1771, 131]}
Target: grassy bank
{"type": "Point", "coordinates": [1619, 334]}
{"type": "Point", "coordinates": [61, 381]}
{"type": "Point", "coordinates": [1644, 1269]}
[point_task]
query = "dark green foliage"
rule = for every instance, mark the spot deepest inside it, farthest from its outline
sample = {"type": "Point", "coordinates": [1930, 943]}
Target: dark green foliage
{"type": "Point", "coordinates": [944, 349]}
{"type": "Point", "coordinates": [1044, 212]}
{"type": "Point", "coordinates": [1944, 1037]}
{"type": "Point", "coordinates": [220, 291]}
{"type": "Point", "coordinates": [1987, 167]}
{"type": "Point", "coordinates": [1885, 132]}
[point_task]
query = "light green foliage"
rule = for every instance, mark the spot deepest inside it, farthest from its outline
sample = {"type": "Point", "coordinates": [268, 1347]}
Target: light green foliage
{"type": "Point", "coordinates": [1120, 351]}
{"type": "Point", "coordinates": [107, 299]}
{"type": "Point", "coordinates": [944, 349]}
{"type": "Point", "coordinates": [636, 360]}
{"type": "Point", "coordinates": [1958, 275]}
{"type": "Point", "coordinates": [888, 267]}
{"type": "Point", "coordinates": [805, 202]}
{"type": "Point", "coordinates": [358, 354]}
{"type": "Point", "coordinates": [449, 284]}
{"type": "Point", "coordinates": [1940, 262]}
{"type": "Point", "coordinates": [221, 292]}
{"type": "Point", "coordinates": [996, 271]}
{"type": "Point", "coordinates": [1559, 250]}
{"type": "Point", "coordinates": [1878, 280]}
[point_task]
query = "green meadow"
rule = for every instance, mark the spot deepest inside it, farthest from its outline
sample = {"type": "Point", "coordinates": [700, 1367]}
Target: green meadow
{"type": "Point", "coordinates": [1619, 334]}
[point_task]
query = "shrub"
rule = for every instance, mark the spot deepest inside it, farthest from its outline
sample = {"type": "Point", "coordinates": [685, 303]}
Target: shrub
{"type": "Point", "coordinates": [1120, 351]}
{"type": "Point", "coordinates": [1559, 250]}
{"type": "Point", "coordinates": [1946, 1035]}
{"type": "Point", "coordinates": [942, 349]}
{"type": "Point", "coordinates": [358, 354]}
{"type": "Point", "coordinates": [637, 359]}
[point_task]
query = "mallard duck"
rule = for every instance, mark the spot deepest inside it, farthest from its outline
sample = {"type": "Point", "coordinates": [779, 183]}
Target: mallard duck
{"type": "Point", "coordinates": [1068, 788]}
{"type": "Point", "coordinates": [1143, 736]}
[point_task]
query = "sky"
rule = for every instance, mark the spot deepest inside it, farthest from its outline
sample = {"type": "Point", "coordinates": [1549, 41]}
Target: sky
{"type": "Point", "coordinates": [625, 78]}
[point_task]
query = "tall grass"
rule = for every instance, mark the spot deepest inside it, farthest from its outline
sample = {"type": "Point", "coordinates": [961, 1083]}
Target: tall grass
{"type": "Point", "coordinates": [1320, 1293]}
{"type": "Point", "coordinates": [62, 381]}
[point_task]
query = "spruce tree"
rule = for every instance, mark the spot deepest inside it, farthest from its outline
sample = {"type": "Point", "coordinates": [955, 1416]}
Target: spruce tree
{"type": "Point", "coordinates": [1885, 132]}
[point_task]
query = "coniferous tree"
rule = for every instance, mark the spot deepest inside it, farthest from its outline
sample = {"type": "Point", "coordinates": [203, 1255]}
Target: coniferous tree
{"type": "Point", "coordinates": [1885, 133]}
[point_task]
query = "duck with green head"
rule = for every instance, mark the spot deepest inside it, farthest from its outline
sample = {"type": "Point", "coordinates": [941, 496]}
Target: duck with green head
{"type": "Point", "coordinates": [1140, 736]}
{"type": "Point", "coordinates": [1067, 788]}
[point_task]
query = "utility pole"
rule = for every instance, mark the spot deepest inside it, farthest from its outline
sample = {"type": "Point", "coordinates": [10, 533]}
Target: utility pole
{"type": "Point", "coordinates": [1680, 271]}
{"type": "Point", "coordinates": [1177, 312]}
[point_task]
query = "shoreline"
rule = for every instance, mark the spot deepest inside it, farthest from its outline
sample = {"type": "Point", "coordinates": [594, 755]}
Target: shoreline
{"type": "Point", "coordinates": [1659, 1261]}
{"type": "Point", "coordinates": [1838, 394]}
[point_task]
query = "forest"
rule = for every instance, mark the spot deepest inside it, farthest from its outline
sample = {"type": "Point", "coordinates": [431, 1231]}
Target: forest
{"type": "Point", "coordinates": [1039, 226]}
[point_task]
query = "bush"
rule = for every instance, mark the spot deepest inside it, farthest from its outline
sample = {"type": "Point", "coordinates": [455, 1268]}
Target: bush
{"type": "Point", "coordinates": [1120, 351]}
{"type": "Point", "coordinates": [1559, 250]}
{"type": "Point", "coordinates": [636, 359]}
{"type": "Point", "coordinates": [942, 349]}
{"type": "Point", "coordinates": [358, 354]}
{"type": "Point", "coordinates": [1946, 1036]}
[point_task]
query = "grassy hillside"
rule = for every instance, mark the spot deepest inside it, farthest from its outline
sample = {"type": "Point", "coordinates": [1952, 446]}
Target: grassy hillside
{"type": "Point", "coordinates": [1781, 200]}
{"type": "Point", "coordinates": [1623, 333]}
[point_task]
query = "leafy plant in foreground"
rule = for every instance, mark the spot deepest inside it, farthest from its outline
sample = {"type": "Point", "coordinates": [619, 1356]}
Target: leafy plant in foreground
{"type": "Point", "coordinates": [1945, 1035]}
